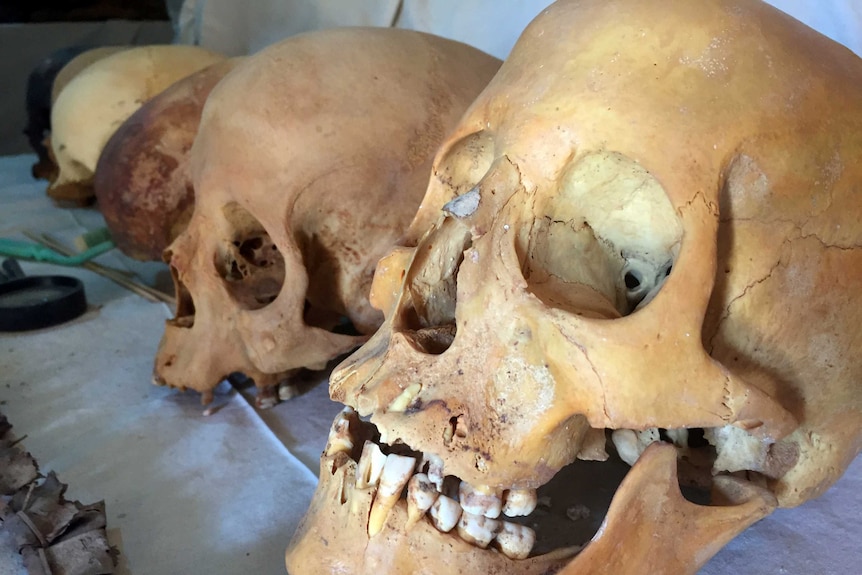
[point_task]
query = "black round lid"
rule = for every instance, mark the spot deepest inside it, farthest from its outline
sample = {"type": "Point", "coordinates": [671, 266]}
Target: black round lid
{"type": "Point", "coordinates": [34, 302]}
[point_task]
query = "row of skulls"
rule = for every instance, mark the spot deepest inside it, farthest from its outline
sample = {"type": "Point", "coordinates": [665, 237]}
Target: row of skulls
{"type": "Point", "coordinates": [640, 240]}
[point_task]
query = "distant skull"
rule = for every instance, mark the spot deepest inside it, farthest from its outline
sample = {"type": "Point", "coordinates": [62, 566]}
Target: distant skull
{"type": "Point", "coordinates": [142, 180]}
{"type": "Point", "coordinates": [44, 84]}
{"type": "Point", "coordinates": [96, 101]}
{"type": "Point", "coordinates": [651, 234]}
{"type": "Point", "coordinates": [310, 161]}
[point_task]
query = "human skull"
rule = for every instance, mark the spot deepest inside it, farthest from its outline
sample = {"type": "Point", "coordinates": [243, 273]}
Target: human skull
{"type": "Point", "coordinates": [43, 85]}
{"type": "Point", "coordinates": [142, 181]}
{"type": "Point", "coordinates": [78, 64]}
{"type": "Point", "coordinates": [99, 99]}
{"type": "Point", "coordinates": [650, 231]}
{"type": "Point", "coordinates": [310, 161]}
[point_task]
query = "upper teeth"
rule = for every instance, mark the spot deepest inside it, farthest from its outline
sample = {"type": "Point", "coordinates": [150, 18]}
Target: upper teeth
{"type": "Point", "coordinates": [340, 438]}
{"type": "Point", "coordinates": [475, 515]}
{"type": "Point", "coordinates": [520, 502]}
{"type": "Point", "coordinates": [435, 469]}
{"type": "Point", "coordinates": [479, 501]}
{"type": "Point", "coordinates": [370, 465]}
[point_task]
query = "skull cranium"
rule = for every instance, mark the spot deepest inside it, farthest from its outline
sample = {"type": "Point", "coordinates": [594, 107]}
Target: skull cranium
{"type": "Point", "coordinates": [142, 180]}
{"type": "Point", "coordinates": [309, 162]}
{"type": "Point", "coordinates": [650, 232]}
{"type": "Point", "coordinates": [100, 98]}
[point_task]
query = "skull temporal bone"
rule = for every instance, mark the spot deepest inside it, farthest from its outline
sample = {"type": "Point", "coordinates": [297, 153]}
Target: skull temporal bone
{"type": "Point", "coordinates": [308, 165]}
{"type": "Point", "coordinates": [731, 110]}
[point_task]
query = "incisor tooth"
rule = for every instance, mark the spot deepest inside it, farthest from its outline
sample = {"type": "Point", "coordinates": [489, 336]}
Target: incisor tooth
{"type": "Point", "coordinates": [401, 402]}
{"type": "Point", "coordinates": [515, 541]}
{"type": "Point", "coordinates": [396, 471]}
{"type": "Point", "coordinates": [477, 529]}
{"type": "Point", "coordinates": [479, 501]}
{"type": "Point", "coordinates": [445, 513]}
{"type": "Point", "coordinates": [339, 434]}
{"type": "Point", "coordinates": [520, 502]}
{"type": "Point", "coordinates": [370, 465]}
{"type": "Point", "coordinates": [421, 495]}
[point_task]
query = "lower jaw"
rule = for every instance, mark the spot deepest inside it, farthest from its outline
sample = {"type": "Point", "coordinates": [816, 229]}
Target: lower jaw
{"type": "Point", "coordinates": [333, 538]}
{"type": "Point", "coordinates": [334, 535]}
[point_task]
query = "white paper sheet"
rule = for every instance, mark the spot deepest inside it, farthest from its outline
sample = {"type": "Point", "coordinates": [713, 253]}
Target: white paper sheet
{"type": "Point", "coordinates": [222, 495]}
{"type": "Point", "coordinates": [185, 493]}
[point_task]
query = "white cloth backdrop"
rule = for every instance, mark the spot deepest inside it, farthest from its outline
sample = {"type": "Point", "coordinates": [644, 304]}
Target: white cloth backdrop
{"type": "Point", "coordinates": [238, 28]}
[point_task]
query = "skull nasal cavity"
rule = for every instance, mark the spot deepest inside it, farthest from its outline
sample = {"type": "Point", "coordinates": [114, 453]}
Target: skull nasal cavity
{"type": "Point", "coordinates": [248, 261]}
{"type": "Point", "coordinates": [432, 286]}
{"type": "Point", "coordinates": [185, 312]}
{"type": "Point", "coordinates": [603, 243]}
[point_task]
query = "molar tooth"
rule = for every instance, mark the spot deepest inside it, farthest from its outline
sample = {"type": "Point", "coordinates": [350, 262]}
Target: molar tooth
{"type": "Point", "coordinates": [479, 500]}
{"type": "Point", "coordinates": [370, 465]}
{"type": "Point", "coordinates": [679, 436]}
{"type": "Point", "coordinates": [648, 436]}
{"type": "Point", "coordinates": [515, 541]}
{"type": "Point", "coordinates": [400, 403]}
{"type": "Point", "coordinates": [478, 529]}
{"type": "Point", "coordinates": [396, 471]}
{"type": "Point", "coordinates": [520, 502]}
{"type": "Point", "coordinates": [630, 444]}
{"type": "Point", "coordinates": [421, 495]}
{"type": "Point", "coordinates": [445, 513]}
{"type": "Point", "coordinates": [339, 434]}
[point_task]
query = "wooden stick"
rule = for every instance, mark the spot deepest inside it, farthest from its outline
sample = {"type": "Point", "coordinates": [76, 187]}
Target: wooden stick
{"type": "Point", "coordinates": [116, 276]}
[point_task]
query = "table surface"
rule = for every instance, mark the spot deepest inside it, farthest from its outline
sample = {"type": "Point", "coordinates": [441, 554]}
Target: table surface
{"type": "Point", "coordinates": [222, 494]}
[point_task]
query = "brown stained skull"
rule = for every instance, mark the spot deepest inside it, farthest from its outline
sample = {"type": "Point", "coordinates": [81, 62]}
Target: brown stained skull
{"type": "Point", "coordinates": [309, 163]}
{"type": "Point", "coordinates": [649, 238]}
{"type": "Point", "coordinates": [142, 180]}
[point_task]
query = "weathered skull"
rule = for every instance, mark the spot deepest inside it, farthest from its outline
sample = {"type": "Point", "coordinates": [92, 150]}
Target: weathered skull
{"type": "Point", "coordinates": [142, 180]}
{"type": "Point", "coordinates": [310, 160]}
{"type": "Point", "coordinates": [98, 100]}
{"type": "Point", "coordinates": [650, 230]}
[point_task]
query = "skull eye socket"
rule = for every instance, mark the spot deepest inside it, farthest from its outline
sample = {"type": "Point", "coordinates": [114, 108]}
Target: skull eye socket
{"type": "Point", "coordinates": [602, 244]}
{"type": "Point", "coordinates": [249, 263]}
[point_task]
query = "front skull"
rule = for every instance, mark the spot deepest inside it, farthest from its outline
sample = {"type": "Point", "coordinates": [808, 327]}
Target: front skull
{"type": "Point", "coordinates": [649, 231]}
{"type": "Point", "coordinates": [309, 162]}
